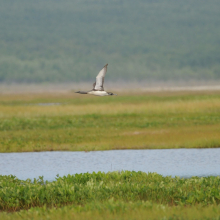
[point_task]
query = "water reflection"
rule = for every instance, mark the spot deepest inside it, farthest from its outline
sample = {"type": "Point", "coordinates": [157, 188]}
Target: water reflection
{"type": "Point", "coordinates": [170, 162]}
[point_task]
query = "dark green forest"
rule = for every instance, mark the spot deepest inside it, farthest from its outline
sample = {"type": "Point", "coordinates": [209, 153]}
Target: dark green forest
{"type": "Point", "coordinates": [71, 40]}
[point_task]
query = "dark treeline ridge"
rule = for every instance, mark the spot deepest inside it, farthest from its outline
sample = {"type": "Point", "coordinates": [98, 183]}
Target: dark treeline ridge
{"type": "Point", "coordinates": [64, 41]}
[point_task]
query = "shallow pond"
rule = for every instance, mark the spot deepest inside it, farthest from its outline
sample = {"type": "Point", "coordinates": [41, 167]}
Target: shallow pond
{"type": "Point", "coordinates": [169, 162]}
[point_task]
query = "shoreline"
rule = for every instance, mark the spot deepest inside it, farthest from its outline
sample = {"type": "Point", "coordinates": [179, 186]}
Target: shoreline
{"type": "Point", "coordinates": [129, 87]}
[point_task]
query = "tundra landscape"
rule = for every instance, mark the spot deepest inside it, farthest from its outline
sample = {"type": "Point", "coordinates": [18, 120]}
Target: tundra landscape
{"type": "Point", "coordinates": [70, 122]}
{"type": "Point", "coordinates": [163, 62]}
{"type": "Point", "coordinates": [49, 122]}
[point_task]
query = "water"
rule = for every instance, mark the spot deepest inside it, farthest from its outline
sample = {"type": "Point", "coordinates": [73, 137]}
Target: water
{"type": "Point", "coordinates": [170, 162]}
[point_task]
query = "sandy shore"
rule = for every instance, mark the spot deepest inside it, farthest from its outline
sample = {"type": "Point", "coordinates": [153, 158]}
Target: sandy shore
{"type": "Point", "coordinates": [119, 86]}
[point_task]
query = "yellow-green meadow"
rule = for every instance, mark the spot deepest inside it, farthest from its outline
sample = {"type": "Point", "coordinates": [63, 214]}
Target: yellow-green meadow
{"type": "Point", "coordinates": [44, 122]}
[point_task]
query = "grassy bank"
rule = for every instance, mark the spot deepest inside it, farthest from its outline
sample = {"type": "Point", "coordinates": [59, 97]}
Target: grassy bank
{"type": "Point", "coordinates": [125, 186]}
{"type": "Point", "coordinates": [94, 123]}
{"type": "Point", "coordinates": [118, 210]}
{"type": "Point", "coordinates": [137, 121]}
{"type": "Point", "coordinates": [114, 195]}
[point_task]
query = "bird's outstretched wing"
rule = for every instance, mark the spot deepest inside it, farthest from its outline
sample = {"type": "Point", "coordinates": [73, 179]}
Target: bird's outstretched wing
{"type": "Point", "coordinates": [98, 85]}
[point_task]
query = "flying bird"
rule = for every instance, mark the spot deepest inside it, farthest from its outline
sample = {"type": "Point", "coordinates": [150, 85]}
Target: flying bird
{"type": "Point", "coordinates": [98, 88]}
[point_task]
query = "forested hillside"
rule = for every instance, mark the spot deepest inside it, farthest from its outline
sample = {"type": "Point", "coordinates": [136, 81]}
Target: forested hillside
{"type": "Point", "coordinates": [70, 40]}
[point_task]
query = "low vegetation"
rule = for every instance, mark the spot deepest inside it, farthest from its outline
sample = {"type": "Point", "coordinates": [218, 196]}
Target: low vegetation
{"type": "Point", "coordinates": [126, 186]}
{"type": "Point", "coordinates": [115, 195]}
{"type": "Point", "coordinates": [129, 121]}
{"type": "Point", "coordinates": [112, 210]}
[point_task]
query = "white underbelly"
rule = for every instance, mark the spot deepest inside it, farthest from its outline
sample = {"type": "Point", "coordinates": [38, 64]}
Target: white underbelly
{"type": "Point", "coordinates": [98, 93]}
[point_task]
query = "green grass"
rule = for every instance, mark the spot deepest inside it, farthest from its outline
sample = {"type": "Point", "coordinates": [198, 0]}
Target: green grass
{"type": "Point", "coordinates": [137, 121]}
{"type": "Point", "coordinates": [127, 186]}
{"type": "Point", "coordinates": [113, 195]}
{"type": "Point", "coordinates": [112, 210]}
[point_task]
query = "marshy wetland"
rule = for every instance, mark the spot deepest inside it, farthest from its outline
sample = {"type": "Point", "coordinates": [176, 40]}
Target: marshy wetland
{"type": "Point", "coordinates": [161, 120]}
{"type": "Point", "coordinates": [82, 123]}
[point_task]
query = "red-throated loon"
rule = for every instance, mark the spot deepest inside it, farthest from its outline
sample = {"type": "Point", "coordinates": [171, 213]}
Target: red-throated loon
{"type": "Point", "coordinates": [98, 88]}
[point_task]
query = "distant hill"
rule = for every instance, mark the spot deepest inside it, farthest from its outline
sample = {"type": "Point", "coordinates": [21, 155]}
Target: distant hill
{"type": "Point", "coordinates": [70, 40]}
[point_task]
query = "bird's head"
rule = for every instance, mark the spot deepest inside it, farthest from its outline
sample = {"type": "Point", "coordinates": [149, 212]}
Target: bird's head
{"type": "Point", "coordinates": [81, 92]}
